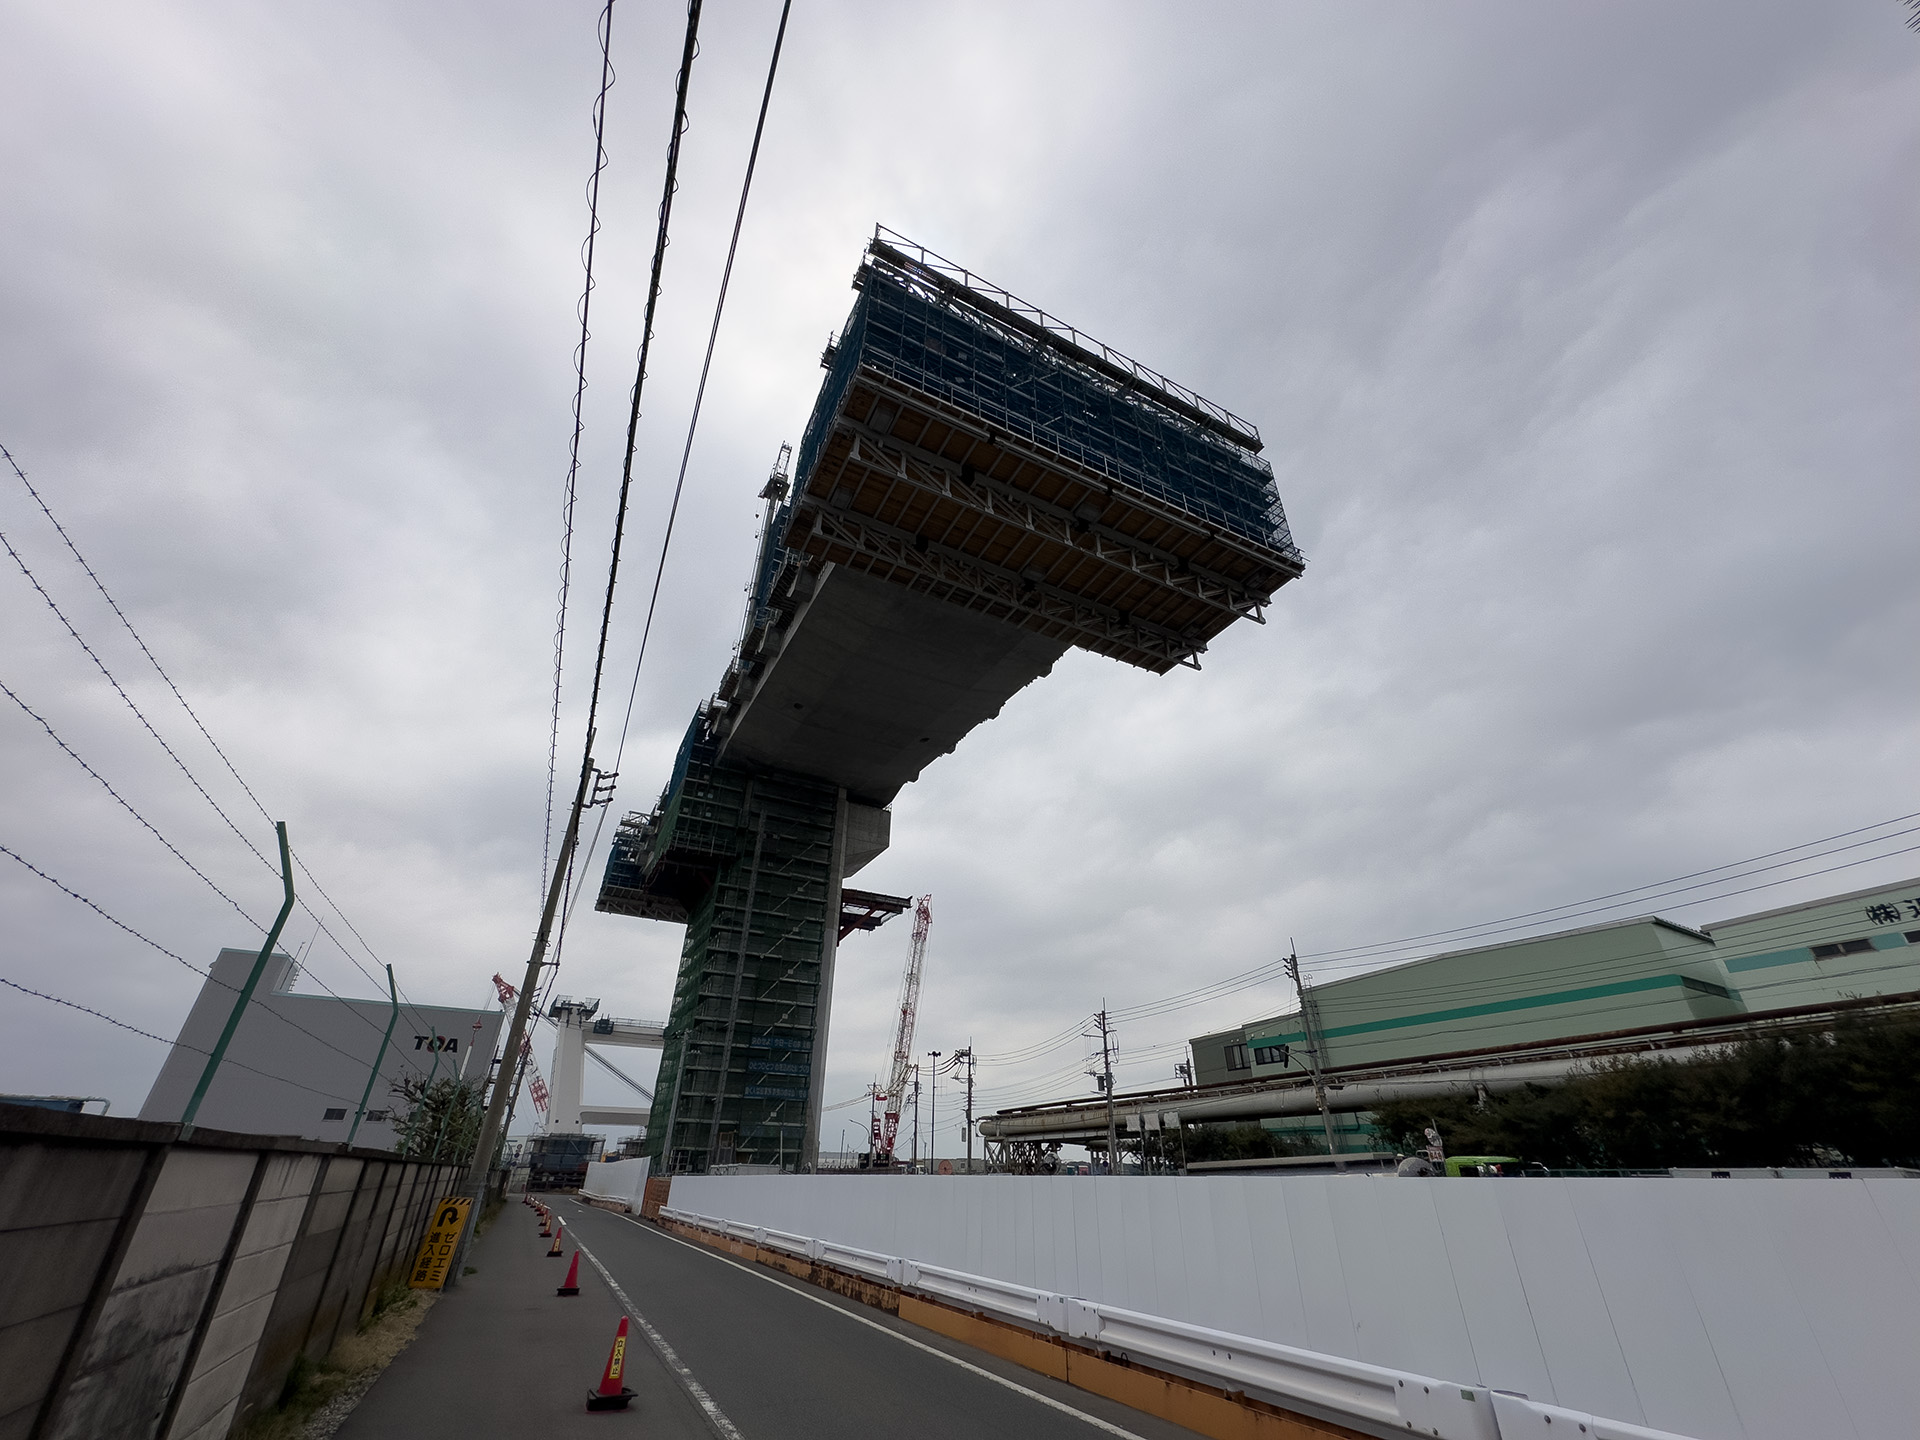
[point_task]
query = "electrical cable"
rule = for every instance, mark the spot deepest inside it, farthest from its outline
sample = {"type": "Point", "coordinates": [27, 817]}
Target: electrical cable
{"type": "Point", "coordinates": [115, 605]}
{"type": "Point", "coordinates": [148, 1034]}
{"type": "Point", "coordinates": [669, 187]}
{"type": "Point", "coordinates": [172, 848]}
{"type": "Point", "coordinates": [193, 715]}
{"type": "Point", "coordinates": [1515, 982]}
{"type": "Point", "coordinates": [74, 756]}
{"type": "Point", "coordinates": [259, 1000]}
{"type": "Point", "coordinates": [193, 780]}
{"type": "Point", "coordinates": [1669, 886]}
{"type": "Point", "coordinates": [579, 399]}
{"type": "Point", "coordinates": [693, 424]}
{"type": "Point", "coordinates": [1835, 928]}
{"type": "Point", "coordinates": [1248, 979]}
{"type": "Point", "coordinates": [1274, 970]}
{"type": "Point", "coordinates": [1793, 926]}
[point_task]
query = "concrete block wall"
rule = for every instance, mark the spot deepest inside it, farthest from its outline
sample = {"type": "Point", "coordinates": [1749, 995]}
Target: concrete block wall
{"type": "Point", "coordinates": [63, 1215]}
{"type": "Point", "coordinates": [151, 1286]}
{"type": "Point", "coordinates": [121, 1379]}
{"type": "Point", "coordinates": [212, 1394]}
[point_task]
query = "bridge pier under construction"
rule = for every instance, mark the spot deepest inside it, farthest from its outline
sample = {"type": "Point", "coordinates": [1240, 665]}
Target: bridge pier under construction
{"type": "Point", "coordinates": [980, 488]}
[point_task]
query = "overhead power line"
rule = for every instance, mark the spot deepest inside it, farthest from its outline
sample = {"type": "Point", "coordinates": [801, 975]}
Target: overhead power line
{"type": "Point", "coordinates": [149, 1035]}
{"type": "Point", "coordinates": [115, 606]}
{"type": "Point", "coordinates": [1380, 951]}
{"type": "Point", "coordinates": [670, 188]}
{"type": "Point", "coordinates": [686, 452]}
{"type": "Point", "coordinates": [1438, 994]}
{"type": "Point", "coordinates": [119, 690]}
{"type": "Point", "coordinates": [123, 803]}
{"type": "Point", "coordinates": [1639, 894]}
{"type": "Point", "coordinates": [592, 782]}
{"type": "Point", "coordinates": [258, 1000]}
{"type": "Point", "coordinates": [172, 848]}
{"type": "Point", "coordinates": [579, 399]}
{"type": "Point", "coordinates": [193, 715]}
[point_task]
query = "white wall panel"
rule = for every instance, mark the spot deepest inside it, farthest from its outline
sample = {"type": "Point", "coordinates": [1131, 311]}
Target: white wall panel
{"type": "Point", "coordinates": [1324, 1296]}
{"type": "Point", "coordinates": [1774, 1369]}
{"type": "Point", "coordinates": [1722, 1309]}
{"type": "Point", "coordinates": [1898, 1204]}
{"type": "Point", "coordinates": [1862, 1310]}
{"type": "Point", "coordinates": [1272, 1268]}
{"type": "Point", "coordinates": [1635, 1248]}
{"type": "Point", "coordinates": [1423, 1315]}
{"type": "Point", "coordinates": [1493, 1302]}
{"type": "Point", "coordinates": [1585, 1367]}
{"type": "Point", "coordinates": [1161, 1247]}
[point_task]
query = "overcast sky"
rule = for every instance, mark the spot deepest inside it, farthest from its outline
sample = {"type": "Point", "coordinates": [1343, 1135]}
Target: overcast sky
{"type": "Point", "coordinates": [1582, 337]}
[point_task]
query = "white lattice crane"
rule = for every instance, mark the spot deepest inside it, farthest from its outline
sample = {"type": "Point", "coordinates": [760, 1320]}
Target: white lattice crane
{"type": "Point", "coordinates": [886, 1125]}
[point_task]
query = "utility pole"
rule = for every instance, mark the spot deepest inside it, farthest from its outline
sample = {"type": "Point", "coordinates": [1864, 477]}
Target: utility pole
{"type": "Point", "coordinates": [916, 1120]}
{"type": "Point", "coordinates": [1105, 1077]}
{"type": "Point", "coordinates": [1310, 1022]}
{"type": "Point", "coordinates": [594, 789]}
{"type": "Point", "coordinates": [957, 1057]}
{"type": "Point", "coordinates": [933, 1114]}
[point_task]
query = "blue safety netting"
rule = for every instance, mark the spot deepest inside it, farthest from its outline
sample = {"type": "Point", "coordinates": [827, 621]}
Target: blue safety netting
{"type": "Point", "coordinates": [1034, 392]}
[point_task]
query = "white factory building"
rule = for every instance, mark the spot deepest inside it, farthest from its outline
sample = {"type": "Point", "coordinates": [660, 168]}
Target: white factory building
{"type": "Point", "coordinates": [298, 1064]}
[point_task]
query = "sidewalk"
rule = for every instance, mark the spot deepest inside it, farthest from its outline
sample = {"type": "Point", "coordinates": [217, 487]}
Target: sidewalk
{"type": "Point", "coordinates": [501, 1354]}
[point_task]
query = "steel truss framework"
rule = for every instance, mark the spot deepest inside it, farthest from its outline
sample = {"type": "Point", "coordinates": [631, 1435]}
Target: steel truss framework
{"type": "Point", "coordinates": [745, 860]}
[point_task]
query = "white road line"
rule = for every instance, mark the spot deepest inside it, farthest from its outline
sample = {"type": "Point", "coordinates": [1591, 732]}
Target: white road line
{"type": "Point", "coordinates": [1014, 1385]}
{"type": "Point", "coordinates": [716, 1417]}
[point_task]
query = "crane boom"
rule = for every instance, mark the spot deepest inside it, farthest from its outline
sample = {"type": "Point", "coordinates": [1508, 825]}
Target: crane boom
{"type": "Point", "coordinates": [888, 1124]}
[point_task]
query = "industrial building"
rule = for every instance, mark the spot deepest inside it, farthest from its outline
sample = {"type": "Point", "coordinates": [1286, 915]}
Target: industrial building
{"type": "Point", "coordinates": [1626, 975]}
{"type": "Point", "coordinates": [299, 1064]}
{"type": "Point", "coordinates": [1498, 1016]}
{"type": "Point", "coordinates": [980, 487]}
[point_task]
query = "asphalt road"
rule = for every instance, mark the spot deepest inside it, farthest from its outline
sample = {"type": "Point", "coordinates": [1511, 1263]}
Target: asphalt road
{"type": "Point", "coordinates": [502, 1354]}
{"type": "Point", "coordinates": [780, 1360]}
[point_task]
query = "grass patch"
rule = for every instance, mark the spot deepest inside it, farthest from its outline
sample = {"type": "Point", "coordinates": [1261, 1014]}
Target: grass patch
{"type": "Point", "coordinates": [317, 1397]}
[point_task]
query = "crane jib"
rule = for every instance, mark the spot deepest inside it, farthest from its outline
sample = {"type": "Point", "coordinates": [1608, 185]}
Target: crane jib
{"type": "Point", "coordinates": [889, 1121]}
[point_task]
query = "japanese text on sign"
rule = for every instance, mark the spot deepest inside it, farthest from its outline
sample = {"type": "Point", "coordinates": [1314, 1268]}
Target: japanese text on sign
{"type": "Point", "coordinates": [443, 1237]}
{"type": "Point", "coordinates": [1889, 914]}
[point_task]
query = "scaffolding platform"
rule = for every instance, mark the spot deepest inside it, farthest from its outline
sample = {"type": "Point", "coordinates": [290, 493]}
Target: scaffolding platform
{"type": "Point", "coordinates": [980, 488]}
{"type": "Point", "coordinates": [968, 446]}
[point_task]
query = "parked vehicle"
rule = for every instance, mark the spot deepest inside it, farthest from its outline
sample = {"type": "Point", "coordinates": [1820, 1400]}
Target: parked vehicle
{"type": "Point", "coordinates": [559, 1162]}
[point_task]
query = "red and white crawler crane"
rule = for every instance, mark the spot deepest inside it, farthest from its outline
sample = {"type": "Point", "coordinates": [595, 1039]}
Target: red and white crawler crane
{"type": "Point", "coordinates": [886, 1125]}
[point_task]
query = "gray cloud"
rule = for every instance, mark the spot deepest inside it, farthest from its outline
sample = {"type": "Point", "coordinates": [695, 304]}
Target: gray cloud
{"type": "Point", "coordinates": [1582, 340]}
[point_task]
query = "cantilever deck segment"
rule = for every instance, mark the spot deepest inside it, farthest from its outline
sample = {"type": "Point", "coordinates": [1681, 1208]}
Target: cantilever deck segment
{"type": "Point", "coordinates": [872, 682]}
{"type": "Point", "coordinates": [979, 488]}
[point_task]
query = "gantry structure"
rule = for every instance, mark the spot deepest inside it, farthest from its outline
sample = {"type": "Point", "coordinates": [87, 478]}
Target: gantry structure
{"type": "Point", "coordinates": [979, 488]}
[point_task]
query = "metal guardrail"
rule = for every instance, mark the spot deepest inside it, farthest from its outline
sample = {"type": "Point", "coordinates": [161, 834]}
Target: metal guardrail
{"type": "Point", "coordinates": [1382, 1399]}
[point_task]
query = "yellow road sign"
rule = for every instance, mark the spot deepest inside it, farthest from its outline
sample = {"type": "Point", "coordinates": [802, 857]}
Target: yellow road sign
{"type": "Point", "coordinates": [443, 1238]}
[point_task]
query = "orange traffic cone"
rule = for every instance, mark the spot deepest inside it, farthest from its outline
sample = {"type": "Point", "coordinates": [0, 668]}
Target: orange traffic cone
{"type": "Point", "coordinates": [558, 1232]}
{"type": "Point", "coordinates": [572, 1285]}
{"type": "Point", "coordinates": [612, 1395]}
